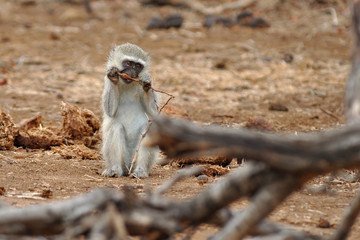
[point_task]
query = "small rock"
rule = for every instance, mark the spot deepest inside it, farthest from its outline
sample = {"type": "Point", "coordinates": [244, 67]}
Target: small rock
{"type": "Point", "coordinates": [220, 65]}
{"type": "Point", "coordinates": [323, 223]}
{"type": "Point", "coordinates": [156, 23]}
{"type": "Point", "coordinates": [59, 96]}
{"type": "Point", "coordinates": [46, 194]}
{"type": "Point", "coordinates": [278, 107]}
{"type": "Point", "coordinates": [244, 18]}
{"type": "Point", "coordinates": [211, 20]}
{"type": "Point", "coordinates": [28, 3]}
{"type": "Point", "coordinates": [27, 25]}
{"type": "Point", "coordinates": [174, 20]}
{"type": "Point", "coordinates": [54, 36]}
{"type": "Point", "coordinates": [202, 179]}
{"type": "Point", "coordinates": [288, 58]}
{"type": "Point", "coordinates": [259, 23]}
{"type": "Point", "coordinates": [5, 39]}
{"type": "Point", "coordinates": [171, 21]}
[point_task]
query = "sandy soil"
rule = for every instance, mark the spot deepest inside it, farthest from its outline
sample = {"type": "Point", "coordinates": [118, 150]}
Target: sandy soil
{"type": "Point", "coordinates": [52, 52]}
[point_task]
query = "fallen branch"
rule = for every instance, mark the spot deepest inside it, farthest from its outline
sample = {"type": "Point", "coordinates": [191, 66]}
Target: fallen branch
{"type": "Point", "coordinates": [106, 214]}
{"type": "Point", "coordinates": [348, 219]}
{"type": "Point", "coordinates": [311, 153]}
{"type": "Point", "coordinates": [52, 218]}
{"type": "Point", "coordinates": [264, 202]}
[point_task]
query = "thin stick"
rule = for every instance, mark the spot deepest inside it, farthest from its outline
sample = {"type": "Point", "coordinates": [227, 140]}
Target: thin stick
{"type": "Point", "coordinates": [330, 114]}
{"type": "Point", "coordinates": [180, 174]}
{"type": "Point", "coordinates": [138, 147]}
{"type": "Point", "coordinates": [125, 76]}
{"type": "Point", "coordinates": [171, 97]}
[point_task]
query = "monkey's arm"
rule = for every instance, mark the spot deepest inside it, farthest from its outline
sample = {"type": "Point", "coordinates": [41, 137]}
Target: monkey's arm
{"type": "Point", "coordinates": [149, 98]}
{"type": "Point", "coordinates": [110, 97]}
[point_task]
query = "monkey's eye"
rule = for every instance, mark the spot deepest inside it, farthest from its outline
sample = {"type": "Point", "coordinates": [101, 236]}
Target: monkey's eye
{"type": "Point", "coordinates": [138, 66]}
{"type": "Point", "coordinates": [129, 63]}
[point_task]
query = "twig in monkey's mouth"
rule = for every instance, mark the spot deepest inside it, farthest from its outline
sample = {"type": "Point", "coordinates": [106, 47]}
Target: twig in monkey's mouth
{"type": "Point", "coordinates": [127, 78]}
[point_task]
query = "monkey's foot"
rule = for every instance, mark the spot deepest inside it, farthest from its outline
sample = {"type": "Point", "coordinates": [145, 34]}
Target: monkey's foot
{"type": "Point", "coordinates": [140, 173]}
{"type": "Point", "coordinates": [114, 171]}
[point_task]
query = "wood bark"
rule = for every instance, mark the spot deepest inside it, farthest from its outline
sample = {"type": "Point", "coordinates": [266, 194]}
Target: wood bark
{"type": "Point", "coordinates": [311, 153]}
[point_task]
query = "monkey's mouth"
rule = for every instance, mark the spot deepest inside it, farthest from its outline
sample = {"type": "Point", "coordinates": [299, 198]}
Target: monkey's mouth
{"type": "Point", "coordinates": [127, 81]}
{"type": "Point", "coordinates": [126, 77]}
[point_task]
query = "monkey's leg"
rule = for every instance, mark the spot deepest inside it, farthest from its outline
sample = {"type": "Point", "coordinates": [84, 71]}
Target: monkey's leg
{"type": "Point", "coordinates": [113, 149]}
{"type": "Point", "coordinates": [146, 158]}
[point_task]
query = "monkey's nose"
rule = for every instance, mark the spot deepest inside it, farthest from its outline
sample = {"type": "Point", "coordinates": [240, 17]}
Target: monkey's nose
{"type": "Point", "coordinates": [133, 73]}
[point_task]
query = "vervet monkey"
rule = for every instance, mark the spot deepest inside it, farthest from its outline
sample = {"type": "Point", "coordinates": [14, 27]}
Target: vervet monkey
{"type": "Point", "coordinates": [128, 107]}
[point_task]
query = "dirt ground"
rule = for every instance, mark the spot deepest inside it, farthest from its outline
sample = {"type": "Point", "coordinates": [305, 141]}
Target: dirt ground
{"type": "Point", "coordinates": [52, 52]}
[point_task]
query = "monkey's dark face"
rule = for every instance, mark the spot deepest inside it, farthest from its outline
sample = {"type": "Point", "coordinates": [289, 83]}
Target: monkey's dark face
{"type": "Point", "coordinates": [132, 69]}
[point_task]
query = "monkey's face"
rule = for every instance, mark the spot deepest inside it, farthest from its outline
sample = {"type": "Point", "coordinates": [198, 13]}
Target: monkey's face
{"type": "Point", "coordinates": [126, 59]}
{"type": "Point", "coordinates": [131, 68]}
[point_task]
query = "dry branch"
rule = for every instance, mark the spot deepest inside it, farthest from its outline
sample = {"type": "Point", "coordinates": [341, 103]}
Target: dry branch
{"type": "Point", "coordinates": [348, 220]}
{"type": "Point", "coordinates": [52, 218]}
{"type": "Point", "coordinates": [151, 215]}
{"type": "Point", "coordinates": [352, 95]}
{"type": "Point", "coordinates": [263, 203]}
{"type": "Point", "coordinates": [308, 153]}
{"type": "Point", "coordinates": [244, 182]}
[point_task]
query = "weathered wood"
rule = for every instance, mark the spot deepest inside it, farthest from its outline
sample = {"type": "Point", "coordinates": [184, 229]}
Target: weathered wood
{"type": "Point", "coordinates": [348, 219]}
{"type": "Point", "coordinates": [263, 203]}
{"type": "Point", "coordinates": [312, 153]}
{"type": "Point", "coordinates": [52, 217]}
{"type": "Point", "coordinates": [352, 95]}
{"type": "Point", "coordinates": [240, 183]}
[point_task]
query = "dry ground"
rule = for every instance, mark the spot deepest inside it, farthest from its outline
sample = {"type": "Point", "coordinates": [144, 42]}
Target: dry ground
{"type": "Point", "coordinates": [52, 52]}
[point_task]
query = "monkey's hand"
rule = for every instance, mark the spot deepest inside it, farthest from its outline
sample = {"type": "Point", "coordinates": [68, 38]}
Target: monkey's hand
{"type": "Point", "coordinates": [113, 75]}
{"type": "Point", "coordinates": [145, 81]}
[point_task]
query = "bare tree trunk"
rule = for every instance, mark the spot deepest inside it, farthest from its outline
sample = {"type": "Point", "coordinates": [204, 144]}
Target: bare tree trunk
{"type": "Point", "coordinates": [311, 153]}
{"type": "Point", "coordinates": [352, 96]}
